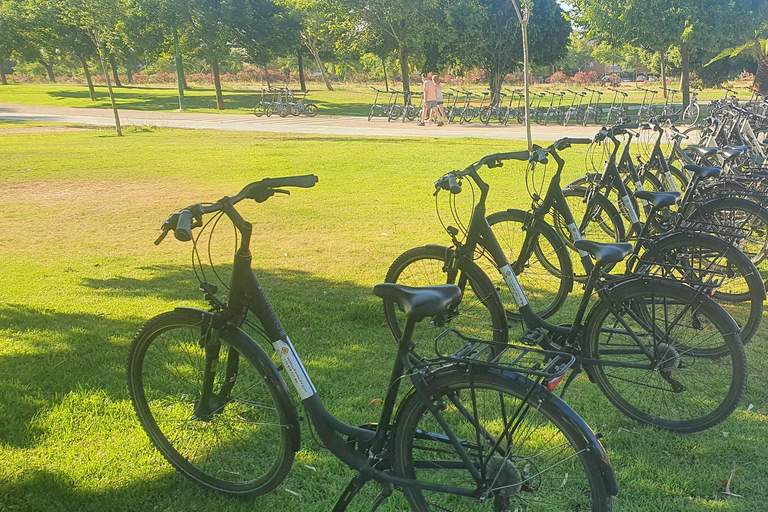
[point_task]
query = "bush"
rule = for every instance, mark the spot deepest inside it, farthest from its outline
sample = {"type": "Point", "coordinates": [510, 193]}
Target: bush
{"type": "Point", "coordinates": [558, 77]}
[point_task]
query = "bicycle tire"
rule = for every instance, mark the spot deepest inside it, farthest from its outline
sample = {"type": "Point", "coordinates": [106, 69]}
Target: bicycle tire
{"type": "Point", "coordinates": [258, 110]}
{"type": "Point", "coordinates": [546, 275]}
{"type": "Point", "coordinates": [700, 347]}
{"type": "Point", "coordinates": [546, 464]}
{"type": "Point", "coordinates": [394, 112]}
{"type": "Point", "coordinates": [480, 313]}
{"type": "Point", "coordinates": [685, 255]}
{"type": "Point", "coordinates": [234, 450]}
{"type": "Point", "coordinates": [600, 222]}
{"type": "Point", "coordinates": [283, 110]}
{"type": "Point", "coordinates": [370, 114]}
{"type": "Point", "coordinates": [311, 110]}
{"type": "Point", "coordinates": [566, 118]}
{"type": "Point", "coordinates": [736, 212]}
{"type": "Point", "coordinates": [691, 114]}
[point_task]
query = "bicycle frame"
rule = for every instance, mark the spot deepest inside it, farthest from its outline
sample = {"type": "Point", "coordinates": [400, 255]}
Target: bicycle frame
{"type": "Point", "coordinates": [246, 295]}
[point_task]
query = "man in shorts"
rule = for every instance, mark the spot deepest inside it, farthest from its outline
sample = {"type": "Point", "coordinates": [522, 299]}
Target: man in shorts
{"type": "Point", "coordinates": [430, 98]}
{"type": "Point", "coordinates": [439, 111]}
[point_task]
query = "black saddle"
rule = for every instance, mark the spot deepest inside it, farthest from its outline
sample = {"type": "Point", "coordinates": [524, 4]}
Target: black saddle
{"type": "Point", "coordinates": [659, 199]}
{"type": "Point", "coordinates": [733, 152]}
{"type": "Point", "coordinates": [704, 172]}
{"type": "Point", "coordinates": [702, 150]}
{"type": "Point", "coordinates": [420, 303]}
{"type": "Point", "coordinates": [605, 253]}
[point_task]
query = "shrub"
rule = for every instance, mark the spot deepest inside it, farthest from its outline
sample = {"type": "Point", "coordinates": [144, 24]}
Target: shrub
{"type": "Point", "coordinates": [558, 77]}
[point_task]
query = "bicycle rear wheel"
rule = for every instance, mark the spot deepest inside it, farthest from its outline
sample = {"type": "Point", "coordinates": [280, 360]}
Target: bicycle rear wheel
{"type": "Point", "coordinates": [480, 313]}
{"type": "Point", "coordinates": [694, 373]}
{"type": "Point", "coordinates": [240, 442]}
{"type": "Point", "coordinates": [528, 448]}
{"type": "Point", "coordinates": [701, 257]}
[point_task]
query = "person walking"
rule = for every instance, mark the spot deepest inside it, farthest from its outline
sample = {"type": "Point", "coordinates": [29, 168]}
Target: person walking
{"type": "Point", "coordinates": [439, 112]}
{"type": "Point", "coordinates": [428, 86]}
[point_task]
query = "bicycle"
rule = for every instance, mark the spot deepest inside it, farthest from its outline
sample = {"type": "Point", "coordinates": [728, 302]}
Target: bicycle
{"type": "Point", "coordinates": [646, 340]}
{"type": "Point", "coordinates": [472, 430]}
{"type": "Point", "coordinates": [391, 110]}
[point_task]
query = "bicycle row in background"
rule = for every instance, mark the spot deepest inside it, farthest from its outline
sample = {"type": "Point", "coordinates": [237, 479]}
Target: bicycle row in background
{"type": "Point", "coordinates": [586, 107]}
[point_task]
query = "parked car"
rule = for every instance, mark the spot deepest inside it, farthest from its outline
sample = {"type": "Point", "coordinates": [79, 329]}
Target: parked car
{"type": "Point", "coordinates": [653, 79]}
{"type": "Point", "coordinates": [641, 78]}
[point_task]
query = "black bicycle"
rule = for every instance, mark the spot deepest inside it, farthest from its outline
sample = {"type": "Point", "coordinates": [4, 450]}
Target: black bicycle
{"type": "Point", "coordinates": [665, 354]}
{"type": "Point", "coordinates": [478, 429]}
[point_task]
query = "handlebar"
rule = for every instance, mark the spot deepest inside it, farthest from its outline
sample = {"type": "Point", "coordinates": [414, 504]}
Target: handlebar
{"type": "Point", "coordinates": [539, 154]}
{"type": "Point", "coordinates": [619, 129]}
{"type": "Point", "coordinates": [182, 222]}
{"type": "Point", "coordinates": [450, 182]}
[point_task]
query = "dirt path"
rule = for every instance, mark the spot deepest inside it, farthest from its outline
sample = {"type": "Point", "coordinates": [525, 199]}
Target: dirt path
{"type": "Point", "coordinates": [320, 125]}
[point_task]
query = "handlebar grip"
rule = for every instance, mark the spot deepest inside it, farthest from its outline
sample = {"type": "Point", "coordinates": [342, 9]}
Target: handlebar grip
{"type": "Point", "coordinates": [579, 141]}
{"type": "Point", "coordinates": [516, 155]}
{"type": "Point", "coordinates": [306, 181]}
{"type": "Point", "coordinates": [453, 185]}
{"type": "Point", "coordinates": [183, 231]}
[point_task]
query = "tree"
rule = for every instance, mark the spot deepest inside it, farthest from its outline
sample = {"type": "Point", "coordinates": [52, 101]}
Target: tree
{"type": "Point", "coordinates": [655, 25]}
{"type": "Point", "coordinates": [757, 49]}
{"type": "Point", "coordinates": [491, 37]}
{"type": "Point", "coordinates": [11, 40]}
{"type": "Point", "coordinates": [403, 21]}
{"type": "Point", "coordinates": [316, 18]}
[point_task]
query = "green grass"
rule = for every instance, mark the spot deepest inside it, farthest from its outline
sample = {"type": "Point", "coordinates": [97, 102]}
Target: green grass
{"type": "Point", "coordinates": [346, 100]}
{"type": "Point", "coordinates": [80, 274]}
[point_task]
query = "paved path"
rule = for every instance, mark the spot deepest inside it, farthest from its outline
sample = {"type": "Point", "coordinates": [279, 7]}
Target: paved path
{"type": "Point", "coordinates": [320, 125]}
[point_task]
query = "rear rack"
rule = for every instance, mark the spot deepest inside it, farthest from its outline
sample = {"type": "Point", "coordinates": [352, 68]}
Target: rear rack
{"type": "Point", "coordinates": [709, 277]}
{"type": "Point", "coordinates": [547, 365]}
{"type": "Point", "coordinates": [730, 233]}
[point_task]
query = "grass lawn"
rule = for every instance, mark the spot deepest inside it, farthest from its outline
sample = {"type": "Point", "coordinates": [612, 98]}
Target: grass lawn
{"type": "Point", "coordinates": [345, 100]}
{"type": "Point", "coordinates": [80, 209]}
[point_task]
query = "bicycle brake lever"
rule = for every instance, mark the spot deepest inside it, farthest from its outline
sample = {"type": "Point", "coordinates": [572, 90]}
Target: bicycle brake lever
{"type": "Point", "coordinates": [281, 191]}
{"type": "Point", "coordinates": [162, 235]}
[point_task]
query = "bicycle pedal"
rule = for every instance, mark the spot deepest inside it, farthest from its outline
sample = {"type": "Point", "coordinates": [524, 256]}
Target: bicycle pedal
{"type": "Point", "coordinates": [532, 338]}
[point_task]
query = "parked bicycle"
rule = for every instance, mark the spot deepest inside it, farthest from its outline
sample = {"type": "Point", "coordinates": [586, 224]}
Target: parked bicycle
{"type": "Point", "coordinates": [665, 354]}
{"type": "Point", "coordinates": [479, 426]}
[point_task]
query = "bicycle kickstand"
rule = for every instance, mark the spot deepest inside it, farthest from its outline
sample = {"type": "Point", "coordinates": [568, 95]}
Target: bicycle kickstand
{"type": "Point", "coordinates": [350, 492]}
{"type": "Point", "coordinates": [386, 492]}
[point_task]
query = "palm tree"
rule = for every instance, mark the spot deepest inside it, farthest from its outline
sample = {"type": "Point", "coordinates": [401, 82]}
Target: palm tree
{"type": "Point", "coordinates": [757, 49]}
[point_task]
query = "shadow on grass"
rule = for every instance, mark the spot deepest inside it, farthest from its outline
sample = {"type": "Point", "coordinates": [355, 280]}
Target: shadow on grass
{"type": "Point", "coordinates": [337, 328]}
{"type": "Point", "coordinates": [159, 98]}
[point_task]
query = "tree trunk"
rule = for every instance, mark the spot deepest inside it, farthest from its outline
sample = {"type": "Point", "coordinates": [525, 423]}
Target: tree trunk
{"type": "Point", "coordinates": [663, 65]}
{"type": "Point", "coordinates": [88, 78]}
{"type": "Point", "coordinates": [494, 83]}
{"type": "Point", "coordinates": [312, 45]}
{"type": "Point", "coordinates": [113, 65]}
{"type": "Point", "coordinates": [49, 68]}
{"type": "Point", "coordinates": [685, 74]}
{"type": "Point", "coordinates": [761, 76]}
{"type": "Point", "coordinates": [217, 83]}
{"type": "Point", "coordinates": [129, 73]}
{"type": "Point", "coordinates": [3, 81]}
{"type": "Point", "coordinates": [402, 54]}
{"type": "Point", "coordinates": [180, 82]}
{"type": "Point", "coordinates": [384, 66]}
{"type": "Point", "coordinates": [301, 71]}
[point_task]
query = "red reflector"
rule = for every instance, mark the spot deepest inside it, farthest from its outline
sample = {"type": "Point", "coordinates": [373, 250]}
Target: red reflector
{"type": "Point", "coordinates": [552, 384]}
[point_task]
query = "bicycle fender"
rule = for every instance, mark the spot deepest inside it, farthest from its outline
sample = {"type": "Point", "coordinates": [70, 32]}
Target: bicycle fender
{"type": "Point", "coordinates": [245, 343]}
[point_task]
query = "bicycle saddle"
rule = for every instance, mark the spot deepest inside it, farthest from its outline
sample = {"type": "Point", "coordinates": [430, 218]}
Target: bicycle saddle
{"type": "Point", "coordinates": [732, 152]}
{"type": "Point", "coordinates": [605, 253]}
{"type": "Point", "coordinates": [660, 199]}
{"type": "Point", "coordinates": [703, 151]}
{"type": "Point", "coordinates": [420, 303]}
{"type": "Point", "coordinates": [704, 172]}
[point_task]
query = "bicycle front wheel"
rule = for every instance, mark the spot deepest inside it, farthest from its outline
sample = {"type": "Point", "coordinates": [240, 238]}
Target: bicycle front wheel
{"type": "Point", "coordinates": [529, 453]}
{"type": "Point", "coordinates": [480, 313]}
{"type": "Point", "coordinates": [666, 355]}
{"type": "Point", "coordinates": [545, 274]}
{"type": "Point", "coordinates": [239, 442]}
